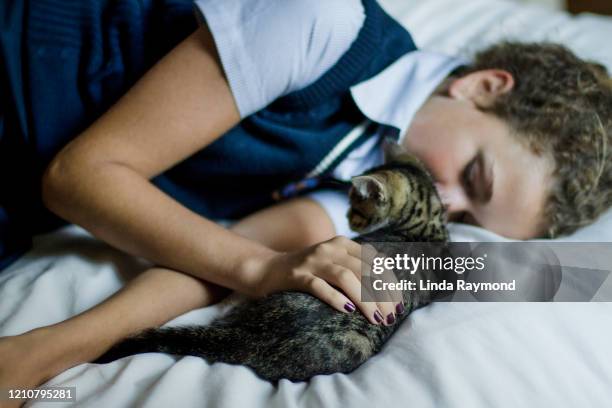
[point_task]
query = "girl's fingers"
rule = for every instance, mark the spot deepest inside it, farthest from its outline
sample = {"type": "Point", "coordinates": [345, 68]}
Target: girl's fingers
{"type": "Point", "coordinates": [351, 247]}
{"type": "Point", "coordinates": [345, 280]}
{"type": "Point", "coordinates": [389, 276]}
{"type": "Point", "coordinates": [390, 302]}
{"type": "Point", "coordinates": [344, 272]}
{"type": "Point", "coordinates": [328, 294]}
{"type": "Point", "coordinates": [351, 263]}
{"type": "Point", "coordinates": [368, 251]}
{"type": "Point", "coordinates": [393, 298]}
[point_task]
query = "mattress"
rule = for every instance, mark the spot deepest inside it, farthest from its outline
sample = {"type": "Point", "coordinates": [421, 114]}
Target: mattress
{"type": "Point", "coordinates": [444, 355]}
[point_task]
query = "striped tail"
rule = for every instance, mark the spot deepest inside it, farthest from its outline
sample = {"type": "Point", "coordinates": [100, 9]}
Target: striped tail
{"type": "Point", "coordinates": [208, 342]}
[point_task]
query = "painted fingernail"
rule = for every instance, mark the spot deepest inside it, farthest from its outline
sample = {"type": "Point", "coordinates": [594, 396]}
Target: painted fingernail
{"type": "Point", "coordinates": [390, 318]}
{"type": "Point", "coordinates": [349, 307]}
{"type": "Point", "coordinates": [378, 317]}
{"type": "Point", "coordinates": [400, 308]}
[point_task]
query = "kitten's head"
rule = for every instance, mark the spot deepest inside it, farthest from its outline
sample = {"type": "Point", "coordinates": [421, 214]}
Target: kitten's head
{"type": "Point", "coordinates": [398, 194]}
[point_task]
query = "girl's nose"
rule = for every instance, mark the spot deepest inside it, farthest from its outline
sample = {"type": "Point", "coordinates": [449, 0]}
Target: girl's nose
{"type": "Point", "coordinates": [453, 198]}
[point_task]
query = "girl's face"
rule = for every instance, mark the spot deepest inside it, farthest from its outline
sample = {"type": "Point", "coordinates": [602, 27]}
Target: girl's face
{"type": "Point", "coordinates": [484, 175]}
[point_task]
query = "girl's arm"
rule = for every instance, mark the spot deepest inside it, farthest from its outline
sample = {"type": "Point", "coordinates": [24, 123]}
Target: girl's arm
{"type": "Point", "coordinates": [150, 300]}
{"type": "Point", "coordinates": [288, 226]}
{"type": "Point", "coordinates": [101, 181]}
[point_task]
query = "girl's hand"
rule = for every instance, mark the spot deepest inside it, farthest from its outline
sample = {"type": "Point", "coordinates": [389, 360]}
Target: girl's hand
{"type": "Point", "coordinates": [330, 271]}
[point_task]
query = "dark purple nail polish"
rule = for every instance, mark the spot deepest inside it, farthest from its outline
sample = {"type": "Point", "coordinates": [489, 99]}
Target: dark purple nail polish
{"type": "Point", "coordinates": [349, 307]}
{"type": "Point", "coordinates": [400, 308]}
{"type": "Point", "coordinates": [390, 318]}
{"type": "Point", "coordinates": [378, 317]}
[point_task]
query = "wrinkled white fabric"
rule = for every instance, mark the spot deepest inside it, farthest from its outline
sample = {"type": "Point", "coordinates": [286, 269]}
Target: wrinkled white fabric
{"type": "Point", "coordinates": [444, 355]}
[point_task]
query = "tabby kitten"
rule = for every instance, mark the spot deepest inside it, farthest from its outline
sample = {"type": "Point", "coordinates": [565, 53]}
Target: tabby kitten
{"type": "Point", "coordinates": [294, 335]}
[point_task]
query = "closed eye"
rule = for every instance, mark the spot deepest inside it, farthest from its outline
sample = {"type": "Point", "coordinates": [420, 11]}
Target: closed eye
{"type": "Point", "coordinates": [466, 218]}
{"type": "Point", "coordinates": [468, 177]}
{"type": "Point", "coordinates": [477, 179]}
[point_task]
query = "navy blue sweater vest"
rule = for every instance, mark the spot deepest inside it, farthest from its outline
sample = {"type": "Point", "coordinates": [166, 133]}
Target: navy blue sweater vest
{"type": "Point", "coordinates": [64, 62]}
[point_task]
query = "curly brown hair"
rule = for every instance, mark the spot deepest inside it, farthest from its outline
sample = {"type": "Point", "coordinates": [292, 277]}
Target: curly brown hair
{"type": "Point", "coordinates": [561, 106]}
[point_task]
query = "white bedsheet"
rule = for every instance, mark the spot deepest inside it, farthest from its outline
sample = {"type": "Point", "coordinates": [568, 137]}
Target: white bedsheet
{"type": "Point", "coordinates": [445, 355]}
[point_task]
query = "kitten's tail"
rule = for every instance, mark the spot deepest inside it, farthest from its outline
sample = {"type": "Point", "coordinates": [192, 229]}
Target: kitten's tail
{"type": "Point", "coordinates": [208, 342]}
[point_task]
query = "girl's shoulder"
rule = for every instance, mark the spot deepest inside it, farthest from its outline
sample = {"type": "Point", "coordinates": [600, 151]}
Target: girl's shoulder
{"type": "Point", "coordinates": [270, 48]}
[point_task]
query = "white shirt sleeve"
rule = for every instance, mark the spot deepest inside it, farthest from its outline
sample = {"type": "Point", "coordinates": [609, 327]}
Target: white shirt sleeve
{"type": "Point", "coordinates": [336, 205]}
{"type": "Point", "coordinates": [269, 48]}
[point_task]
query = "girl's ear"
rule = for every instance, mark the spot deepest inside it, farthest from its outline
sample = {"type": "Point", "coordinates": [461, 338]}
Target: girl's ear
{"type": "Point", "coordinates": [482, 88]}
{"type": "Point", "coordinates": [369, 187]}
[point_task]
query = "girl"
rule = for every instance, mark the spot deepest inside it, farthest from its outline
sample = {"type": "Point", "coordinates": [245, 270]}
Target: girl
{"type": "Point", "coordinates": [261, 95]}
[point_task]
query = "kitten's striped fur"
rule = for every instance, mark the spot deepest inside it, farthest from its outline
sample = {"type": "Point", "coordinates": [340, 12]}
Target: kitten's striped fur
{"type": "Point", "coordinates": [398, 197]}
{"type": "Point", "coordinates": [294, 335]}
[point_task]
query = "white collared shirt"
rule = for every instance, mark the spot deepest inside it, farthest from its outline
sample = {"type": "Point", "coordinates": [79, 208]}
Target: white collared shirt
{"type": "Point", "coordinates": [392, 98]}
{"type": "Point", "coordinates": [298, 41]}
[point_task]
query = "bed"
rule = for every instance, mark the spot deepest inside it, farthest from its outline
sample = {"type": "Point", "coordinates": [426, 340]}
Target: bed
{"type": "Point", "coordinates": [444, 355]}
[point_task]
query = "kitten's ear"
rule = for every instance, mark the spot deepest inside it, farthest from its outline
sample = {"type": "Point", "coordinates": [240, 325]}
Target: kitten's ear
{"type": "Point", "coordinates": [369, 187]}
{"type": "Point", "coordinates": [392, 150]}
